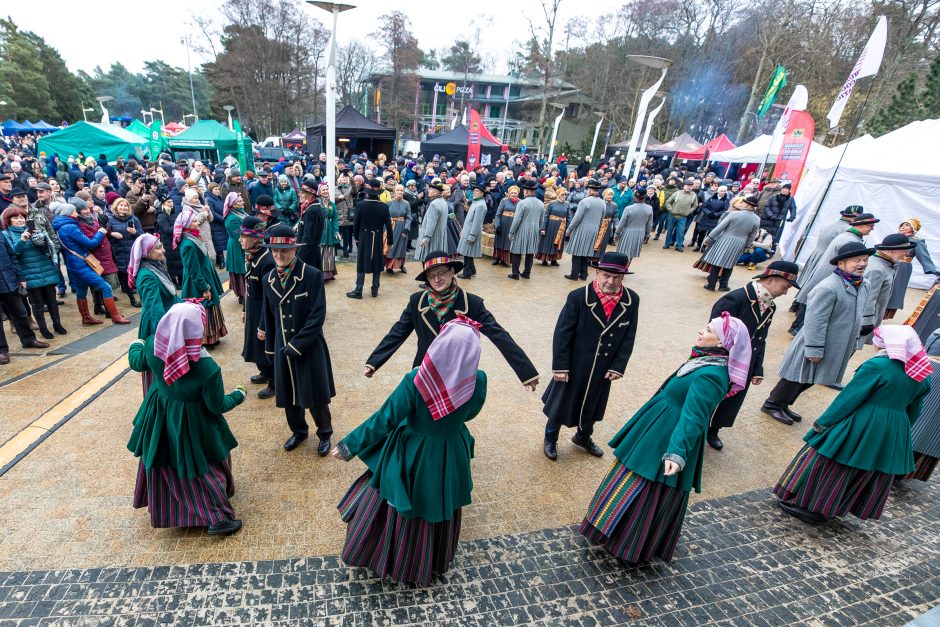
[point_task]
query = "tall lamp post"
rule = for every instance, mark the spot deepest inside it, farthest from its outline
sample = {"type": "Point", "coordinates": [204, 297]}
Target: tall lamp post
{"type": "Point", "coordinates": [144, 113]}
{"type": "Point", "coordinates": [644, 142]}
{"type": "Point", "coordinates": [228, 109]}
{"type": "Point", "coordinates": [335, 8]}
{"type": "Point", "coordinates": [86, 111]}
{"type": "Point", "coordinates": [597, 130]}
{"type": "Point", "coordinates": [160, 111]}
{"type": "Point", "coordinates": [105, 116]}
{"type": "Point", "coordinates": [653, 62]}
{"type": "Point", "coordinates": [189, 68]}
{"type": "Point", "coordinates": [561, 114]}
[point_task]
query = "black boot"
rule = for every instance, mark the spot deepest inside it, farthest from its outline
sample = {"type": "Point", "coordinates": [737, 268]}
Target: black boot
{"type": "Point", "coordinates": [551, 450]}
{"type": "Point", "coordinates": [713, 440]}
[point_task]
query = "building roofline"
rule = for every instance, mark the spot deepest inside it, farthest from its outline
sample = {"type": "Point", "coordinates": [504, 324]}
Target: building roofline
{"type": "Point", "coordinates": [438, 75]}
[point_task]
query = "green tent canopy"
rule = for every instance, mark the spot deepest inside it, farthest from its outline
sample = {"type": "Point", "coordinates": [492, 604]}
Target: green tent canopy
{"type": "Point", "coordinates": [139, 128]}
{"type": "Point", "coordinates": [213, 140]}
{"type": "Point", "coordinates": [93, 139]}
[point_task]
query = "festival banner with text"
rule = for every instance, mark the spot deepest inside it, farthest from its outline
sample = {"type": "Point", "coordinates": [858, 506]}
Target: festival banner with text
{"type": "Point", "coordinates": [473, 145]}
{"type": "Point", "coordinates": [795, 148]}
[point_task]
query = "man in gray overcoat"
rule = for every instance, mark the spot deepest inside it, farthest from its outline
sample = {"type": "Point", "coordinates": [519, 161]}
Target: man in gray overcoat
{"type": "Point", "coordinates": [433, 232]}
{"type": "Point", "coordinates": [880, 276]}
{"type": "Point", "coordinates": [860, 227]}
{"type": "Point", "coordinates": [823, 239]}
{"type": "Point", "coordinates": [583, 230]}
{"type": "Point", "coordinates": [524, 230]}
{"type": "Point", "coordinates": [471, 241]}
{"type": "Point", "coordinates": [822, 348]}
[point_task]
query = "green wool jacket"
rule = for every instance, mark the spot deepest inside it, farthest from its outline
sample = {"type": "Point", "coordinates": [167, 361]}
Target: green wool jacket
{"type": "Point", "coordinates": [155, 299]}
{"type": "Point", "coordinates": [180, 426]}
{"type": "Point", "coordinates": [198, 274]}
{"type": "Point", "coordinates": [673, 423]}
{"type": "Point", "coordinates": [234, 255]}
{"type": "Point", "coordinates": [421, 466]}
{"type": "Point", "coordinates": [868, 425]}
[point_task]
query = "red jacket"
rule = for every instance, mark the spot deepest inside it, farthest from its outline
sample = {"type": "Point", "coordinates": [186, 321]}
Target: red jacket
{"type": "Point", "coordinates": [103, 252]}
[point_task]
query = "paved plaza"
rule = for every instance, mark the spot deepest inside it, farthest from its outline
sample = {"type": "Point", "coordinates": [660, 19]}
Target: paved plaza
{"type": "Point", "coordinates": [73, 549]}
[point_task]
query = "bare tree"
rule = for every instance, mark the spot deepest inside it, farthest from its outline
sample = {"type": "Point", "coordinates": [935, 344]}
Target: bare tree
{"type": "Point", "coordinates": [354, 63]}
{"type": "Point", "coordinates": [402, 56]}
{"type": "Point", "coordinates": [543, 36]}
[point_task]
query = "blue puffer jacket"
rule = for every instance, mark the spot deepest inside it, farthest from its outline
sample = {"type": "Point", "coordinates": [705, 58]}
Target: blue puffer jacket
{"type": "Point", "coordinates": [31, 257]}
{"type": "Point", "coordinates": [72, 237]}
{"type": "Point", "coordinates": [217, 226]}
{"type": "Point", "coordinates": [121, 248]}
{"type": "Point", "coordinates": [10, 274]}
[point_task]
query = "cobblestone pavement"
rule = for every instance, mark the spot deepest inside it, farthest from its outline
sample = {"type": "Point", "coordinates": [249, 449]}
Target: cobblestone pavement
{"type": "Point", "coordinates": [66, 505]}
{"type": "Point", "coordinates": [741, 561]}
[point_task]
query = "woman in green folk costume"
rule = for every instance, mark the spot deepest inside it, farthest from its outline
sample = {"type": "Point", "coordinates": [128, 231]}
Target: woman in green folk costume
{"type": "Point", "coordinates": [330, 240]}
{"type": "Point", "coordinates": [200, 280]}
{"type": "Point", "coordinates": [233, 212]}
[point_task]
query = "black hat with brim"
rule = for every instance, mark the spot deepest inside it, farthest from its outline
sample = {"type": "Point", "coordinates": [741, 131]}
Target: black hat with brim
{"type": "Point", "coordinates": [614, 263]}
{"type": "Point", "coordinates": [436, 185]}
{"type": "Point", "coordinates": [592, 184]}
{"type": "Point", "coordinates": [437, 258]}
{"type": "Point", "coordinates": [280, 237]}
{"type": "Point", "coordinates": [863, 219]}
{"type": "Point", "coordinates": [851, 211]}
{"type": "Point", "coordinates": [528, 184]}
{"type": "Point", "coordinates": [895, 241]}
{"type": "Point", "coordinates": [851, 249]}
{"type": "Point", "coordinates": [786, 270]}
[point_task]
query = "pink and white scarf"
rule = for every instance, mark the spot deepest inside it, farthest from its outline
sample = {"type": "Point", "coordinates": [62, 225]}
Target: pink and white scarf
{"type": "Point", "coordinates": [141, 248]}
{"type": "Point", "coordinates": [178, 339]}
{"type": "Point", "coordinates": [902, 343]}
{"type": "Point", "coordinates": [447, 376]}
{"type": "Point", "coordinates": [228, 205]}
{"type": "Point", "coordinates": [183, 222]}
{"type": "Point", "coordinates": [736, 339]}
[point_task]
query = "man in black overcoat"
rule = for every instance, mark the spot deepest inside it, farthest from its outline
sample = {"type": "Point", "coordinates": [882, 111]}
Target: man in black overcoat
{"type": "Point", "coordinates": [753, 305]}
{"type": "Point", "coordinates": [292, 329]}
{"type": "Point", "coordinates": [592, 344]}
{"type": "Point", "coordinates": [443, 301]}
{"type": "Point", "coordinates": [310, 226]}
{"type": "Point", "coordinates": [371, 217]}
{"type": "Point", "coordinates": [258, 263]}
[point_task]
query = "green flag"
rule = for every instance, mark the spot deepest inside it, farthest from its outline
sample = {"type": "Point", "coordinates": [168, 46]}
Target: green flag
{"type": "Point", "coordinates": [777, 82]}
{"type": "Point", "coordinates": [240, 138]}
{"type": "Point", "coordinates": [156, 139]}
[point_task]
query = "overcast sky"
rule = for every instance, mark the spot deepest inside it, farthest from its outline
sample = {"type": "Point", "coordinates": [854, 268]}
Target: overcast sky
{"type": "Point", "coordinates": [87, 35]}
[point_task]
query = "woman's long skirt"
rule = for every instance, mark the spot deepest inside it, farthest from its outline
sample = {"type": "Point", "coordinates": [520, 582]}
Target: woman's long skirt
{"type": "Point", "coordinates": [328, 253]}
{"type": "Point", "coordinates": [238, 284]}
{"type": "Point", "coordinates": [924, 466]}
{"type": "Point", "coordinates": [826, 487]}
{"type": "Point", "coordinates": [633, 518]}
{"type": "Point", "coordinates": [215, 326]}
{"type": "Point", "coordinates": [409, 550]}
{"type": "Point", "coordinates": [176, 502]}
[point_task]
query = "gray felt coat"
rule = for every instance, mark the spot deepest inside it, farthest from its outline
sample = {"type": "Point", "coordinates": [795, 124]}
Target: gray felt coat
{"type": "Point", "coordinates": [471, 244]}
{"type": "Point", "coordinates": [585, 225]}
{"type": "Point", "coordinates": [734, 233]}
{"type": "Point", "coordinates": [880, 277]}
{"type": "Point", "coordinates": [824, 268]}
{"type": "Point", "coordinates": [525, 227]}
{"type": "Point", "coordinates": [434, 227]}
{"type": "Point", "coordinates": [833, 320]}
{"type": "Point", "coordinates": [634, 226]}
{"type": "Point", "coordinates": [825, 237]}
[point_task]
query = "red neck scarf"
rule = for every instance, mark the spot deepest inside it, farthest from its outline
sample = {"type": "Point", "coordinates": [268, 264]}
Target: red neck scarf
{"type": "Point", "coordinates": [608, 302]}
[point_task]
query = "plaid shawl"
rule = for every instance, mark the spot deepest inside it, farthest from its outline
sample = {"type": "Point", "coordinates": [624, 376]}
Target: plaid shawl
{"type": "Point", "coordinates": [447, 376]}
{"type": "Point", "coordinates": [736, 339]}
{"type": "Point", "coordinates": [178, 339]}
{"type": "Point", "coordinates": [902, 343]}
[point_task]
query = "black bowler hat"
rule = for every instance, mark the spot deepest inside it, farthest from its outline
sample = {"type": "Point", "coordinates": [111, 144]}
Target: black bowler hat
{"type": "Point", "coordinates": [437, 258]}
{"type": "Point", "coordinates": [592, 184]}
{"type": "Point", "coordinates": [851, 211]}
{"type": "Point", "coordinates": [615, 263]}
{"type": "Point", "coordinates": [528, 184]}
{"type": "Point", "coordinates": [784, 269]}
{"type": "Point", "coordinates": [895, 241]}
{"type": "Point", "coordinates": [864, 218]}
{"type": "Point", "coordinates": [851, 249]}
{"type": "Point", "coordinates": [480, 186]}
{"type": "Point", "coordinates": [279, 237]}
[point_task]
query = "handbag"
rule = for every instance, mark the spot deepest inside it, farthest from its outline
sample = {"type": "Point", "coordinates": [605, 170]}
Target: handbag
{"type": "Point", "coordinates": [90, 260]}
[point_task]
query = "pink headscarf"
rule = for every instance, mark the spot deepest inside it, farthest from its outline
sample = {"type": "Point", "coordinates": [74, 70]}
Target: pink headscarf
{"type": "Point", "coordinates": [141, 248]}
{"type": "Point", "coordinates": [229, 201]}
{"type": "Point", "coordinates": [736, 339]}
{"type": "Point", "coordinates": [178, 339]}
{"type": "Point", "coordinates": [183, 221]}
{"type": "Point", "coordinates": [320, 188]}
{"type": "Point", "coordinates": [902, 343]}
{"type": "Point", "coordinates": [447, 377]}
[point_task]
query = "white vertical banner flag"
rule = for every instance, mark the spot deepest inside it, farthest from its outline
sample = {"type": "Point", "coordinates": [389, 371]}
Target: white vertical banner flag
{"type": "Point", "coordinates": [798, 102]}
{"type": "Point", "coordinates": [868, 64]}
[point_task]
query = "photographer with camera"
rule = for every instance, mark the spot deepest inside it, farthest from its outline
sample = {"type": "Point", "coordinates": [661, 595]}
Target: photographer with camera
{"type": "Point", "coordinates": [142, 199]}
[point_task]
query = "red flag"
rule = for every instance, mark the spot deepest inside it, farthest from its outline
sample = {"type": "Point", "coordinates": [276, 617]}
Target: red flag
{"type": "Point", "coordinates": [795, 148]}
{"type": "Point", "coordinates": [473, 146]}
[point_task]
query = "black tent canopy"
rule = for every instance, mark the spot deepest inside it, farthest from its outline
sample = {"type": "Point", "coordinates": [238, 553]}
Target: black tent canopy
{"type": "Point", "coordinates": [452, 146]}
{"type": "Point", "coordinates": [363, 135]}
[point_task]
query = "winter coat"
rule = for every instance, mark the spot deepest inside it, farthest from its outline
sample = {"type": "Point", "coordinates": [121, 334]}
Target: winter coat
{"type": "Point", "coordinates": [734, 233]}
{"type": "Point", "coordinates": [712, 211]}
{"type": "Point", "coordinates": [526, 223]}
{"type": "Point", "coordinates": [778, 209]}
{"type": "Point", "coordinates": [234, 255]}
{"type": "Point", "coordinates": [164, 222]}
{"type": "Point", "coordinates": [880, 276]}
{"type": "Point", "coordinates": [199, 272]}
{"type": "Point", "coordinates": [823, 239]}
{"type": "Point", "coordinates": [471, 241]}
{"type": "Point", "coordinates": [286, 201]}
{"type": "Point", "coordinates": [10, 274]}
{"type": "Point", "coordinates": [32, 257]}
{"type": "Point", "coordinates": [823, 267]}
{"type": "Point", "coordinates": [73, 238]}
{"type": "Point", "coordinates": [121, 248]}
{"type": "Point", "coordinates": [585, 225]}
{"type": "Point", "coordinates": [634, 227]}
{"type": "Point", "coordinates": [217, 226]}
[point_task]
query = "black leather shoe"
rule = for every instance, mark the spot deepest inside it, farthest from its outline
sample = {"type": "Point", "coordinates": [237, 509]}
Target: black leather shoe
{"type": "Point", "coordinates": [464, 275]}
{"type": "Point", "coordinates": [514, 277]}
{"type": "Point", "coordinates": [495, 262]}
{"type": "Point", "coordinates": [323, 448]}
{"type": "Point", "coordinates": [810, 518]}
{"type": "Point", "coordinates": [226, 528]}
{"type": "Point", "coordinates": [709, 287]}
{"type": "Point", "coordinates": [724, 288]}
{"type": "Point", "coordinates": [258, 379]}
{"type": "Point", "coordinates": [36, 344]}
{"type": "Point", "coordinates": [293, 442]}
{"type": "Point", "coordinates": [777, 414]}
{"type": "Point", "coordinates": [551, 450]}
{"type": "Point", "coordinates": [571, 277]}
{"type": "Point", "coordinates": [375, 293]}
{"type": "Point", "coordinates": [354, 294]}
{"type": "Point", "coordinates": [526, 276]}
{"type": "Point", "coordinates": [588, 445]}
{"type": "Point", "coordinates": [715, 442]}
{"type": "Point", "coordinates": [266, 393]}
{"type": "Point", "coordinates": [402, 270]}
{"type": "Point", "coordinates": [795, 417]}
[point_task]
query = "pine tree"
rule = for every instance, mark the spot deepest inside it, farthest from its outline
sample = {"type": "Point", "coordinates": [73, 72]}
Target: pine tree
{"type": "Point", "coordinates": [903, 109]}
{"type": "Point", "coordinates": [930, 97]}
{"type": "Point", "coordinates": [21, 69]}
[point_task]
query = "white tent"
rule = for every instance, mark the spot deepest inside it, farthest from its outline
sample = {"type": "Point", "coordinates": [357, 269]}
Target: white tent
{"type": "Point", "coordinates": [760, 148]}
{"type": "Point", "coordinates": [894, 177]}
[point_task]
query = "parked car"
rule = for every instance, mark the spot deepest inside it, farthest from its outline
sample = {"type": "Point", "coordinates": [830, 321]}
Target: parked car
{"type": "Point", "coordinates": [273, 155]}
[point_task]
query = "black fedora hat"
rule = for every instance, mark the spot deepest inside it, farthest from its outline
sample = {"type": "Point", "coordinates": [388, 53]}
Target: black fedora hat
{"type": "Point", "coordinates": [895, 241]}
{"type": "Point", "coordinates": [437, 258]}
{"type": "Point", "coordinates": [528, 184]}
{"type": "Point", "coordinates": [851, 211]}
{"type": "Point", "coordinates": [864, 218]}
{"type": "Point", "coordinates": [279, 237]}
{"type": "Point", "coordinates": [851, 249]}
{"type": "Point", "coordinates": [480, 186]}
{"type": "Point", "coordinates": [784, 269]}
{"type": "Point", "coordinates": [436, 184]}
{"type": "Point", "coordinates": [615, 263]}
{"type": "Point", "coordinates": [592, 184]}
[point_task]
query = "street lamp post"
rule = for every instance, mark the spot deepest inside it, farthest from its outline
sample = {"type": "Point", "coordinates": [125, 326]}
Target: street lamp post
{"type": "Point", "coordinates": [189, 67]}
{"type": "Point", "coordinates": [160, 111]}
{"type": "Point", "coordinates": [144, 113]}
{"type": "Point", "coordinates": [551, 148]}
{"type": "Point", "coordinates": [335, 8]}
{"type": "Point", "coordinates": [654, 62]}
{"type": "Point", "coordinates": [105, 116]}
{"type": "Point", "coordinates": [85, 111]}
{"type": "Point", "coordinates": [228, 109]}
{"type": "Point", "coordinates": [641, 152]}
{"type": "Point", "coordinates": [597, 130]}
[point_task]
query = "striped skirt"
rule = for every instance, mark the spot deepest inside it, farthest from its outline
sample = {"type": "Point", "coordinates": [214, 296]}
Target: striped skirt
{"type": "Point", "coordinates": [924, 466]}
{"type": "Point", "coordinates": [215, 326]}
{"type": "Point", "coordinates": [633, 518]}
{"type": "Point", "coordinates": [328, 265]}
{"type": "Point", "coordinates": [238, 284]}
{"type": "Point", "coordinates": [409, 550]}
{"type": "Point", "coordinates": [828, 488]}
{"type": "Point", "coordinates": [176, 502]}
